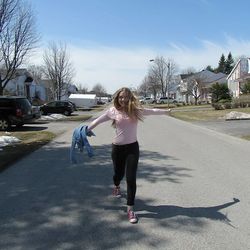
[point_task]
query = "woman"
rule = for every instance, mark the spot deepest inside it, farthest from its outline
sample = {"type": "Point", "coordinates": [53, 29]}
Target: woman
{"type": "Point", "coordinates": [125, 114]}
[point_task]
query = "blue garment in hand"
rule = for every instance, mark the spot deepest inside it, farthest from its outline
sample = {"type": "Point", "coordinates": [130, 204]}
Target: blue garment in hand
{"type": "Point", "coordinates": [79, 141]}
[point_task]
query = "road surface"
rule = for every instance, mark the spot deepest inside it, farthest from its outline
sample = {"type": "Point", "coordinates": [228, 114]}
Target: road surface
{"type": "Point", "coordinates": [193, 193]}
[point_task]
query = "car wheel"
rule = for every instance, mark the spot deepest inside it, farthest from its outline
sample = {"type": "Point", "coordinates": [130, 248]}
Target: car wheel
{"type": "Point", "coordinates": [43, 112]}
{"type": "Point", "coordinates": [66, 112]}
{"type": "Point", "coordinates": [4, 124]}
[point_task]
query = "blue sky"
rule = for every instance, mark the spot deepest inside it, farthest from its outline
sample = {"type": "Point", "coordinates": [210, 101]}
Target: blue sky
{"type": "Point", "coordinates": [111, 41]}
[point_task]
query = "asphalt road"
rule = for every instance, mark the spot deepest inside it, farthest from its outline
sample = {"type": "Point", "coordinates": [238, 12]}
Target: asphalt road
{"type": "Point", "coordinates": [193, 193]}
{"type": "Point", "coordinates": [237, 128]}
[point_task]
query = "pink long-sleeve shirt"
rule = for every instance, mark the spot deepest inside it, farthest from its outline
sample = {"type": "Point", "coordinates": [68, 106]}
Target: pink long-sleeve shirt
{"type": "Point", "coordinates": [126, 128]}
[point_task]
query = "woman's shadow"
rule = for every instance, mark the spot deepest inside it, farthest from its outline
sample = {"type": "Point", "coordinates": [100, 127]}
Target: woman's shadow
{"type": "Point", "coordinates": [169, 211]}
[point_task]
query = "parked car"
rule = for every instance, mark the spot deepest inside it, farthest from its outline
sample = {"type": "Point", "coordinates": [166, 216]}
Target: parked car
{"type": "Point", "coordinates": [57, 107]}
{"type": "Point", "coordinates": [147, 100]}
{"type": "Point", "coordinates": [162, 100]}
{"type": "Point", "coordinates": [73, 104]}
{"type": "Point", "coordinates": [15, 110]}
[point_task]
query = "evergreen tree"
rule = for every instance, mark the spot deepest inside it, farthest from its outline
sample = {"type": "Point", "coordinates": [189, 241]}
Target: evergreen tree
{"type": "Point", "coordinates": [220, 92]}
{"type": "Point", "coordinates": [222, 63]}
{"type": "Point", "coordinates": [246, 88]}
{"type": "Point", "coordinates": [229, 64]}
{"type": "Point", "coordinates": [209, 68]}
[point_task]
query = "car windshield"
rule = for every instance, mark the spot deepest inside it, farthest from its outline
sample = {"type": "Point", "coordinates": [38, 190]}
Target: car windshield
{"type": "Point", "coordinates": [51, 104]}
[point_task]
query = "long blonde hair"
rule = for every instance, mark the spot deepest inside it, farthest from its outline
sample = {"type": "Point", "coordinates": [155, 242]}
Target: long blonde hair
{"type": "Point", "coordinates": [133, 109]}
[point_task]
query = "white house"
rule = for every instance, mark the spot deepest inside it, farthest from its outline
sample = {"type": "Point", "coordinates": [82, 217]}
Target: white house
{"type": "Point", "coordinates": [206, 79]}
{"type": "Point", "coordinates": [23, 84]}
{"type": "Point", "coordinates": [239, 75]}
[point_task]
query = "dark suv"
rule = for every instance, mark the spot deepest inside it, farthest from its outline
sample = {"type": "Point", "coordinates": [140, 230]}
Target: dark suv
{"type": "Point", "coordinates": [14, 110]}
{"type": "Point", "coordinates": [58, 107]}
{"type": "Point", "coordinates": [166, 100]}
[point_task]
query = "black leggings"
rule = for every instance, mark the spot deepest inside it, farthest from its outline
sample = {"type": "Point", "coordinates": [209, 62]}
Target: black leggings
{"type": "Point", "coordinates": [125, 157]}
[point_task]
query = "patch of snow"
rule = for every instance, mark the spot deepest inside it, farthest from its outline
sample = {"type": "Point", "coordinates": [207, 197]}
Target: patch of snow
{"type": "Point", "coordinates": [6, 140]}
{"type": "Point", "coordinates": [52, 117]}
{"type": "Point", "coordinates": [234, 115]}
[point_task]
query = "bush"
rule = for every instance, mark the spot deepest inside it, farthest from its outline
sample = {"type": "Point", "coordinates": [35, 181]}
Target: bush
{"type": "Point", "coordinates": [218, 106]}
{"type": "Point", "coordinates": [228, 105]}
{"type": "Point", "coordinates": [242, 102]}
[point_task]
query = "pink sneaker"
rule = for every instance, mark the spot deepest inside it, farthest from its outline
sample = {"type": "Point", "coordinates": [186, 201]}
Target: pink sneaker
{"type": "Point", "coordinates": [132, 217]}
{"type": "Point", "coordinates": [117, 192]}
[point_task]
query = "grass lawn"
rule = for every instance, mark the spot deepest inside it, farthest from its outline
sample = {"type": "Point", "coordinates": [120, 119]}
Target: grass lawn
{"type": "Point", "coordinates": [199, 114]}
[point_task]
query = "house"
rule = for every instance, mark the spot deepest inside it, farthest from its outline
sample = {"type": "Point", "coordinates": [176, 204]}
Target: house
{"type": "Point", "coordinates": [181, 90]}
{"type": "Point", "coordinates": [38, 92]}
{"type": "Point", "coordinates": [173, 88]}
{"type": "Point", "coordinates": [23, 84]}
{"type": "Point", "coordinates": [20, 83]}
{"type": "Point", "coordinates": [70, 89]}
{"type": "Point", "coordinates": [204, 80]}
{"type": "Point", "coordinates": [48, 95]}
{"type": "Point", "coordinates": [239, 75]}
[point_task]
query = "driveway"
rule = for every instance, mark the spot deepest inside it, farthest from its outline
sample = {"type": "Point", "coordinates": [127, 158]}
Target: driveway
{"type": "Point", "coordinates": [232, 127]}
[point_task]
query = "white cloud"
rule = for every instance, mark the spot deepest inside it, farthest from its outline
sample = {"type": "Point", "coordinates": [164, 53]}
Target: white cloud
{"type": "Point", "coordinates": [117, 67]}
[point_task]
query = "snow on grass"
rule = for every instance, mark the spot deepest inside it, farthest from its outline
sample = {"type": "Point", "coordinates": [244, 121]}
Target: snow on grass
{"type": "Point", "coordinates": [6, 140]}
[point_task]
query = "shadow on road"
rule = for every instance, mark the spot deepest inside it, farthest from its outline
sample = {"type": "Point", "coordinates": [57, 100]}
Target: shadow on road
{"type": "Point", "coordinates": [47, 203]}
{"type": "Point", "coordinates": [26, 128]}
{"type": "Point", "coordinates": [184, 214]}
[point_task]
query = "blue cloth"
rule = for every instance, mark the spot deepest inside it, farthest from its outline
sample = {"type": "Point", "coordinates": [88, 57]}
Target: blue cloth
{"type": "Point", "coordinates": [80, 141]}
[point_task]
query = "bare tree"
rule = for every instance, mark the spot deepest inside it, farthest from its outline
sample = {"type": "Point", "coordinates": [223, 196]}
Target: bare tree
{"type": "Point", "coordinates": [37, 72]}
{"type": "Point", "coordinates": [82, 89]}
{"type": "Point", "coordinates": [18, 37]}
{"type": "Point", "coordinates": [99, 90]}
{"type": "Point", "coordinates": [163, 70]}
{"type": "Point", "coordinates": [195, 86]}
{"type": "Point", "coordinates": [188, 71]}
{"type": "Point", "coordinates": [143, 87]}
{"type": "Point", "coordinates": [58, 68]}
{"type": "Point", "coordinates": [149, 85]}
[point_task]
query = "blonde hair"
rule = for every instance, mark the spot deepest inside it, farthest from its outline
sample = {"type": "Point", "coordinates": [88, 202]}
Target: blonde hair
{"type": "Point", "coordinates": [133, 109]}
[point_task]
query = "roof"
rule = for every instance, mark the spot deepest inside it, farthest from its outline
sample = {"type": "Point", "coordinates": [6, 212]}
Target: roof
{"type": "Point", "coordinates": [208, 76]}
{"type": "Point", "coordinates": [244, 60]}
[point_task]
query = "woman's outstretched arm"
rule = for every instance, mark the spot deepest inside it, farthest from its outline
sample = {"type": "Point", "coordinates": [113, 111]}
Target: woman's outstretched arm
{"type": "Point", "coordinates": [156, 111]}
{"type": "Point", "coordinates": [103, 118]}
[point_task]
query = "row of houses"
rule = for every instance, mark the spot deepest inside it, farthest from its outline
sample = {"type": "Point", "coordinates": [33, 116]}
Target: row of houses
{"type": "Point", "coordinates": [179, 85]}
{"type": "Point", "coordinates": [40, 92]}
{"type": "Point", "coordinates": [23, 84]}
{"type": "Point", "coordinates": [205, 79]}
